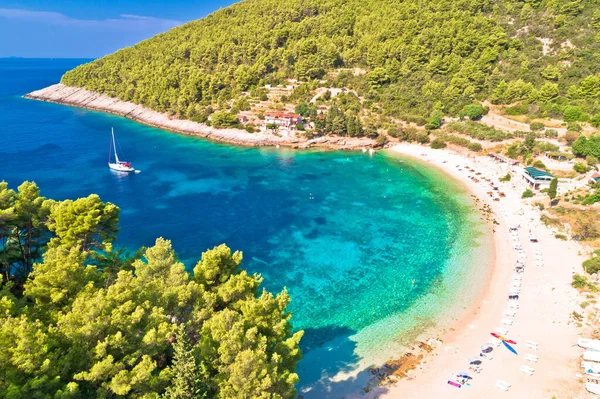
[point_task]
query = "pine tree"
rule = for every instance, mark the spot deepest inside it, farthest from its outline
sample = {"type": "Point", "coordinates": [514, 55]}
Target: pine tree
{"type": "Point", "coordinates": [553, 188]}
{"type": "Point", "coordinates": [187, 376]}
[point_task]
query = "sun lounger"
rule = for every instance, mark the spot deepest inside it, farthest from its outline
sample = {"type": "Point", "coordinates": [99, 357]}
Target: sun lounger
{"type": "Point", "coordinates": [532, 343]}
{"type": "Point", "coordinates": [513, 304]}
{"type": "Point", "coordinates": [506, 384]}
{"type": "Point", "coordinates": [531, 358]}
{"type": "Point", "coordinates": [501, 387]}
{"type": "Point", "coordinates": [517, 278]}
{"type": "Point", "coordinates": [516, 284]}
{"type": "Point", "coordinates": [501, 331]}
{"type": "Point", "coordinates": [509, 313]}
{"type": "Point", "coordinates": [526, 370]}
{"type": "Point", "coordinates": [530, 346]}
{"type": "Point", "coordinates": [507, 322]}
{"type": "Point", "coordinates": [494, 341]}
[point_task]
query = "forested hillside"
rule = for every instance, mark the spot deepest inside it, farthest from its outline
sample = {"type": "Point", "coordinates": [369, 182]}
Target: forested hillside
{"type": "Point", "coordinates": [79, 319]}
{"type": "Point", "coordinates": [419, 57]}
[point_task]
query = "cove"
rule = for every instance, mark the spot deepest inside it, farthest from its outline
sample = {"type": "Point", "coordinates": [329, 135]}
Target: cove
{"type": "Point", "coordinates": [369, 247]}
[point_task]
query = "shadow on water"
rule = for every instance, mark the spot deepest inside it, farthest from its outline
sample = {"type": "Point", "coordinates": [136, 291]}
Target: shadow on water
{"type": "Point", "coordinates": [330, 367]}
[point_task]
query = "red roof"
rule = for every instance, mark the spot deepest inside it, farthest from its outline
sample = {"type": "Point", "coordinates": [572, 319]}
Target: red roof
{"type": "Point", "coordinates": [282, 115]}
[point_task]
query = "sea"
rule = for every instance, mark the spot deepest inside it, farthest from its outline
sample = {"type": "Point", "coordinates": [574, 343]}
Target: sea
{"type": "Point", "coordinates": [374, 250]}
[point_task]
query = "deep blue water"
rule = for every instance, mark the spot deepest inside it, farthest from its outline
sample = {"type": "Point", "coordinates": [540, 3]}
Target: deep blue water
{"type": "Point", "coordinates": [346, 233]}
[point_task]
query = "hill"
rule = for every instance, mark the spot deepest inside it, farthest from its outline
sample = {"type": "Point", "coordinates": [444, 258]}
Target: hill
{"type": "Point", "coordinates": [419, 58]}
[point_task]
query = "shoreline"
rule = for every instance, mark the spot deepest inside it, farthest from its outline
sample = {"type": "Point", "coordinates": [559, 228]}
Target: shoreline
{"type": "Point", "coordinates": [544, 321]}
{"type": "Point", "coordinates": [82, 98]}
{"type": "Point", "coordinates": [469, 314]}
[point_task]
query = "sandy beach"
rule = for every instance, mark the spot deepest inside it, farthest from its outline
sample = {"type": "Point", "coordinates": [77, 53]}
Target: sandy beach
{"type": "Point", "coordinates": [544, 306]}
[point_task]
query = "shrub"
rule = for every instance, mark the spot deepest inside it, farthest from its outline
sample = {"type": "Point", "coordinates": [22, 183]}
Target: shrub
{"type": "Point", "coordinates": [580, 167]}
{"type": "Point", "coordinates": [560, 236]}
{"type": "Point", "coordinates": [536, 126]}
{"type": "Point", "coordinates": [551, 133]}
{"type": "Point", "coordinates": [572, 113]}
{"type": "Point", "coordinates": [505, 178]}
{"type": "Point", "coordinates": [249, 128]}
{"type": "Point", "coordinates": [591, 160]}
{"type": "Point", "coordinates": [527, 194]}
{"type": "Point", "coordinates": [475, 147]}
{"type": "Point", "coordinates": [518, 109]}
{"type": "Point", "coordinates": [479, 131]}
{"type": "Point", "coordinates": [224, 119]}
{"type": "Point", "coordinates": [592, 265]}
{"type": "Point", "coordinates": [571, 136]}
{"type": "Point", "coordinates": [438, 143]}
{"type": "Point", "coordinates": [473, 111]}
{"type": "Point", "coordinates": [422, 138]}
{"type": "Point", "coordinates": [381, 139]}
{"type": "Point", "coordinates": [539, 164]}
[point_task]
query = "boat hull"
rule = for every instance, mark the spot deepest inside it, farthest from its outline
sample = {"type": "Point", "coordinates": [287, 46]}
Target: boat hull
{"type": "Point", "coordinates": [120, 168]}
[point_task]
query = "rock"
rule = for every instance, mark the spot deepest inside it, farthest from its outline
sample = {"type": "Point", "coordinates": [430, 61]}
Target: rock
{"type": "Point", "coordinates": [79, 97]}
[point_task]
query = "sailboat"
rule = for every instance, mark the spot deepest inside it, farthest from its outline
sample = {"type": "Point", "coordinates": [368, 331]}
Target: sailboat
{"type": "Point", "coordinates": [119, 166]}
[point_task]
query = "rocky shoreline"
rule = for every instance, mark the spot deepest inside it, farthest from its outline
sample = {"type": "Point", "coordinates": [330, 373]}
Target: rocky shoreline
{"type": "Point", "coordinates": [82, 98]}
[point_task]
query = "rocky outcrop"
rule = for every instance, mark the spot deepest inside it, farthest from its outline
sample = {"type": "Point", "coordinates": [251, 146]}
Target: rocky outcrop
{"type": "Point", "coordinates": [78, 97]}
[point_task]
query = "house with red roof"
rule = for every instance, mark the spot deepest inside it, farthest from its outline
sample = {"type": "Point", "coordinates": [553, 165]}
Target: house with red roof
{"type": "Point", "coordinates": [283, 120]}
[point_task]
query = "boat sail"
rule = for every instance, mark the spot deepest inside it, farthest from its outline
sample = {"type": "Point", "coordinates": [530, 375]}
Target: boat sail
{"type": "Point", "coordinates": [119, 166]}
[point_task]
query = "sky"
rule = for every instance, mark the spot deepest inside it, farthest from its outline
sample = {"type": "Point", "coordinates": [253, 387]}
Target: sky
{"type": "Point", "coordinates": [90, 28]}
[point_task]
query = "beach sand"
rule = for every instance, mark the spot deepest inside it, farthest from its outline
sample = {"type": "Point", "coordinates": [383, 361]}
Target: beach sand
{"type": "Point", "coordinates": [545, 304]}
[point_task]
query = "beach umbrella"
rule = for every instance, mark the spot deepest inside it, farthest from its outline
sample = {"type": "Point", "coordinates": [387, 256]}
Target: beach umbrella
{"type": "Point", "coordinates": [500, 337]}
{"type": "Point", "coordinates": [510, 348]}
{"type": "Point", "coordinates": [486, 348]}
{"type": "Point", "coordinates": [475, 361]}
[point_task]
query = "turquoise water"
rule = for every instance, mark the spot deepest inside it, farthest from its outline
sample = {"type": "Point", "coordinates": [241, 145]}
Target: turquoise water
{"type": "Point", "coordinates": [367, 246]}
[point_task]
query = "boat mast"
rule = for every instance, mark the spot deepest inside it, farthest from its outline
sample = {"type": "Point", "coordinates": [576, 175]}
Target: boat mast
{"type": "Point", "coordinates": [112, 131]}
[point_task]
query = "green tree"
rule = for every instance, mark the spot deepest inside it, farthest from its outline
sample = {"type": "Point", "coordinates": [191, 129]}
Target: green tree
{"type": "Point", "coordinates": [189, 378]}
{"type": "Point", "coordinates": [224, 119]}
{"type": "Point", "coordinates": [82, 328]}
{"type": "Point", "coordinates": [553, 189]}
{"type": "Point", "coordinates": [473, 111]}
{"type": "Point", "coordinates": [572, 113]}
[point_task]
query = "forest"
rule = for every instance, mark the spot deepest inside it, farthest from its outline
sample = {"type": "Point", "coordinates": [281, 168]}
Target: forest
{"type": "Point", "coordinates": [418, 58]}
{"type": "Point", "coordinates": [82, 319]}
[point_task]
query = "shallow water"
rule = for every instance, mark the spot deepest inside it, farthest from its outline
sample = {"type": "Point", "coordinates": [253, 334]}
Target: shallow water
{"type": "Point", "coordinates": [368, 247]}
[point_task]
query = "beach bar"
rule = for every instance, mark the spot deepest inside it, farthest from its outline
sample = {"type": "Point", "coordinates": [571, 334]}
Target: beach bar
{"type": "Point", "coordinates": [536, 178]}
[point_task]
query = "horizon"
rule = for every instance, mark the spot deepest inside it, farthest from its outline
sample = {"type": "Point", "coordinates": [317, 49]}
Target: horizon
{"type": "Point", "coordinates": [66, 30]}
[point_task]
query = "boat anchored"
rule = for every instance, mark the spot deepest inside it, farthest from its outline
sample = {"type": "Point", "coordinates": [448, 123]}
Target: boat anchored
{"type": "Point", "coordinates": [119, 166]}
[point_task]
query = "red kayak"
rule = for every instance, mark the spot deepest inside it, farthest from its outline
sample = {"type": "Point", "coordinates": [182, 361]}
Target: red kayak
{"type": "Point", "coordinates": [454, 384]}
{"type": "Point", "coordinates": [500, 337]}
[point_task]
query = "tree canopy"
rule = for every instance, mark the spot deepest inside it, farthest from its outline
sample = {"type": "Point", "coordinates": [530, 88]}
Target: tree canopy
{"type": "Point", "coordinates": [79, 320]}
{"type": "Point", "coordinates": [418, 57]}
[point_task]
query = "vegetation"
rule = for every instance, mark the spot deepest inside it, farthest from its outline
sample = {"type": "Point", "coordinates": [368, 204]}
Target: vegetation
{"type": "Point", "coordinates": [505, 178]}
{"type": "Point", "coordinates": [478, 131]}
{"type": "Point", "coordinates": [419, 58]}
{"type": "Point", "coordinates": [438, 143]}
{"type": "Point", "coordinates": [592, 265]}
{"type": "Point", "coordinates": [527, 194]}
{"type": "Point", "coordinates": [553, 189]}
{"type": "Point", "coordinates": [79, 319]}
{"type": "Point", "coordinates": [583, 146]}
{"type": "Point", "coordinates": [582, 283]}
